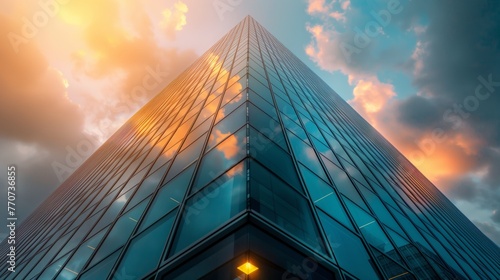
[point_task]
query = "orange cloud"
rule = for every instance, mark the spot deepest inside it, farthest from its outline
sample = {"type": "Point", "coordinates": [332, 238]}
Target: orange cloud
{"type": "Point", "coordinates": [230, 146]}
{"type": "Point", "coordinates": [174, 19]}
{"type": "Point", "coordinates": [370, 97]}
{"type": "Point", "coordinates": [316, 6]}
{"type": "Point", "coordinates": [35, 107]}
{"type": "Point", "coordinates": [441, 160]}
{"type": "Point", "coordinates": [320, 7]}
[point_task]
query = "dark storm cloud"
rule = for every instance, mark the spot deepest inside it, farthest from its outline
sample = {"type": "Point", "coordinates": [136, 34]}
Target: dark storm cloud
{"type": "Point", "coordinates": [460, 77]}
{"type": "Point", "coordinates": [419, 112]}
{"type": "Point", "coordinates": [34, 107]}
{"type": "Point", "coordinates": [496, 216]}
{"type": "Point", "coordinates": [490, 231]}
{"type": "Point", "coordinates": [39, 123]}
{"type": "Point", "coordinates": [463, 188]}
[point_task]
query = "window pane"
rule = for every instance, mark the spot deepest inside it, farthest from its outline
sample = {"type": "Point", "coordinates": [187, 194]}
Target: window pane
{"type": "Point", "coordinates": [344, 184]}
{"type": "Point", "coordinates": [281, 204]}
{"type": "Point", "coordinates": [305, 154]}
{"type": "Point", "coordinates": [102, 269]}
{"type": "Point", "coordinates": [324, 196]}
{"type": "Point", "coordinates": [168, 197]}
{"type": "Point", "coordinates": [150, 243]}
{"type": "Point", "coordinates": [120, 232]}
{"type": "Point", "coordinates": [348, 249]}
{"type": "Point", "coordinates": [370, 228]}
{"type": "Point", "coordinates": [81, 256]}
{"type": "Point", "coordinates": [274, 158]}
{"type": "Point", "coordinates": [221, 158]}
{"type": "Point", "coordinates": [227, 126]}
{"type": "Point", "coordinates": [226, 196]}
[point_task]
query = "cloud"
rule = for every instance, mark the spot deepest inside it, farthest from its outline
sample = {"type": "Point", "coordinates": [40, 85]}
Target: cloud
{"type": "Point", "coordinates": [125, 56]}
{"type": "Point", "coordinates": [35, 108]}
{"type": "Point", "coordinates": [317, 6]}
{"type": "Point", "coordinates": [450, 126]}
{"type": "Point", "coordinates": [39, 120]}
{"type": "Point", "coordinates": [371, 96]}
{"type": "Point", "coordinates": [174, 19]}
{"type": "Point", "coordinates": [335, 9]}
{"type": "Point", "coordinates": [53, 116]}
{"type": "Point", "coordinates": [489, 230]}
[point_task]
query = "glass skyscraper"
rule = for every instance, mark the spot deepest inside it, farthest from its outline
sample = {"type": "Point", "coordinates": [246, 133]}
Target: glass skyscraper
{"type": "Point", "coordinates": [248, 166]}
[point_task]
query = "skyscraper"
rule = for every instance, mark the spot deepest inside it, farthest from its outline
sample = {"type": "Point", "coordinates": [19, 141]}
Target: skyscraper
{"type": "Point", "coordinates": [248, 166]}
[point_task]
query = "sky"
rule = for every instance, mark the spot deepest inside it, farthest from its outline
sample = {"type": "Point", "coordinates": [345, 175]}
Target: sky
{"type": "Point", "coordinates": [426, 74]}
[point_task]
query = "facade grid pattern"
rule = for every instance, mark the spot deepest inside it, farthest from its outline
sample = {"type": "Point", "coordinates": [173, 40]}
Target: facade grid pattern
{"type": "Point", "coordinates": [247, 149]}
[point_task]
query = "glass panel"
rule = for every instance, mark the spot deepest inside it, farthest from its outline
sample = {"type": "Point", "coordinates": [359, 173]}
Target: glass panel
{"type": "Point", "coordinates": [227, 126]}
{"type": "Point", "coordinates": [186, 157]}
{"type": "Point", "coordinates": [80, 257]}
{"type": "Point", "coordinates": [231, 106]}
{"type": "Point", "coordinates": [226, 196]}
{"type": "Point", "coordinates": [147, 187]}
{"type": "Point", "coordinates": [348, 249]}
{"type": "Point", "coordinates": [54, 268]}
{"type": "Point", "coordinates": [221, 158]}
{"type": "Point", "coordinates": [120, 232]}
{"type": "Point", "coordinates": [370, 228]}
{"type": "Point", "coordinates": [343, 183]}
{"type": "Point", "coordinates": [324, 196]}
{"type": "Point", "coordinates": [306, 155]}
{"type": "Point", "coordinates": [102, 269]}
{"type": "Point", "coordinates": [274, 158]}
{"type": "Point", "coordinates": [168, 197]}
{"type": "Point", "coordinates": [281, 204]}
{"type": "Point", "coordinates": [379, 209]}
{"type": "Point", "coordinates": [150, 243]}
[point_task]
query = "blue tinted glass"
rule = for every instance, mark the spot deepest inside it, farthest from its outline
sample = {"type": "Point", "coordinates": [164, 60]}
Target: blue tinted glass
{"type": "Point", "coordinates": [221, 158]}
{"type": "Point", "coordinates": [120, 232]}
{"type": "Point", "coordinates": [274, 158]}
{"type": "Point", "coordinates": [370, 228]}
{"type": "Point", "coordinates": [226, 196]}
{"type": "Point", "coordinates": [306, 155]}
{"type": "Point", "coordinates": [281, 204]}
{"type": "Point", "coordinates": [80, 257]}
{"type": "Point", "coordinates": [144, 252]}
{"type": "Point", "coordinates": [54, 268]}
{"type": "Point", "coordinates": [169, 196]}
{"type": "Point", "coordinates": [344, 184]}
{"type": "Point", "coordinates": [227, 126]}
{"type": "Point", "coordinates": [324, 196]}
{"type": "Point", "coordinates": [348, 249]}
{"type": "Point", "coordinates": [101, 270]}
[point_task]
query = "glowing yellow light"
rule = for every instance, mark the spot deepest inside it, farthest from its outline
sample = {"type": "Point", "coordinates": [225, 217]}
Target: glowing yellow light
{"type": "Point", "coordinates": [247, 268]}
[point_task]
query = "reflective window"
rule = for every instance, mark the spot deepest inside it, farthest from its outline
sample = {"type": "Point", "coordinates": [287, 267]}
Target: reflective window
{"type": "Point", "coordinates": [281, 204]}
{"type": "Point", "coordinates": [370, 228]}
{"type": "Point", "coordinates": [147, 187]}
{"type": "Point", "coordinates": [221, 158]}
{"type": "Point", "coordinates": [344, 184]}
{"type": "Point", "coordinates": [324, 196]}
{"type": "Point", "coordinates": [169, 196]}
{"type": "Point", "coordinates": [306, 155]}
{"type": "Point", "coordinates": [186, 157]}
{"type": "Point", "coordinates": [227, 127]}
{"type": "Point", "coordinates": [274, 158]}
{"type": "Point", "coordinates": [348, 249]}
{"type": "Point", "coordinates": [80, 257]}
{"type": "Point", "coordinates": [120, 232]}
{"type": "Point", "coordinates": [102, 269]}
{"type": "Point", "coordinates": [144, 252]}
{"type": "Point", "coordinates": [54, 268]}
{"type": "Point", "coordinates": [226, 196]}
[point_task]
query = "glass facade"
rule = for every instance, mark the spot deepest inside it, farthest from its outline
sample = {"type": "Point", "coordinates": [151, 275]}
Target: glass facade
{"type": "Point", "coordinates": [248, 166]}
